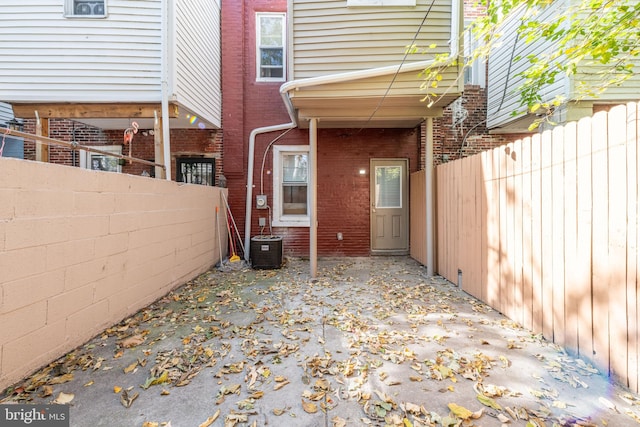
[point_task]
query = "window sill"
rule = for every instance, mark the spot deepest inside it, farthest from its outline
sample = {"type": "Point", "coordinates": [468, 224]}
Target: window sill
{"type": "Point", "coordinates": [303, 222]}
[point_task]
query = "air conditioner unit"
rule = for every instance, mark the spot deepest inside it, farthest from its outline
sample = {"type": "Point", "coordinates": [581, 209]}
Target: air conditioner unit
{"type": "Point", "coordinates": [266, 252]}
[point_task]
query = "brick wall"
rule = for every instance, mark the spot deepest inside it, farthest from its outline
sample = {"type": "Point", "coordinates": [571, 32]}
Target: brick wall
{"type": "Point", "coordinates": [473, 9]}
{"type": "Point", "coordinates": [184, 143]}
{"type": "Point", "coordinates": [343, 194]}
{"type": "Point", "coordinates": [462, 130]}
{"type": "Point", "coordinates": [246, 104]}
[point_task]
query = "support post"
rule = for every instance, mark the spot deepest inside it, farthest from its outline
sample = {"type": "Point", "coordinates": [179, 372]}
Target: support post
{"type": "Point", "coordinates": [313, 204]}
{"type": "Point", "coordinates": [429, 193]}
{"type": "Point", "coordinates": [42, 129]}
{"type": "Point", "coordinates": [158, 146]}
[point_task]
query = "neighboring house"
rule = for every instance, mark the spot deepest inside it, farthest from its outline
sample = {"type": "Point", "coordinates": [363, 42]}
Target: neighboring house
{"type": "Point", "coordinates": [10, 146]}
{"type": "Point", "coordinates": [322, 117]}
{"type": "Point", "coordinates": [91, 68]}
{"type": "Point", "coordinates": [510, 59]}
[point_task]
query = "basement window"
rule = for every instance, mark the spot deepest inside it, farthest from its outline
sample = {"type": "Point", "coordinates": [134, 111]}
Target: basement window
{"type": "Point", "coordinates": [86, 8]}
{"type": "Point", "coordinates": [291, 186]}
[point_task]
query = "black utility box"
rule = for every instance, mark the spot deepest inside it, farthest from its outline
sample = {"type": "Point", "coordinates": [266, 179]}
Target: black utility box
{"type": "Point", "coordinates": [266, 252]}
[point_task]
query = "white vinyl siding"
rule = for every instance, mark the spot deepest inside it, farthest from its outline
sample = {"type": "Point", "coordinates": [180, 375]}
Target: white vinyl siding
{"type": "Point", "coordinates": [197, 58]}
{"type": "Point", "coordinates": [330, 38]}
{"type": "Point", "coordinates": [49, 58]}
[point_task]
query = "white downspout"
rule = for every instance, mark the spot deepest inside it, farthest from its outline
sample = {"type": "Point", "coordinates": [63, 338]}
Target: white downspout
{"type": "Point", "coordinates": [165, 89]}
{"type": "Point", "coordinates": [249, 202]}
{"type": "Point", "coordinates": [429, 208]}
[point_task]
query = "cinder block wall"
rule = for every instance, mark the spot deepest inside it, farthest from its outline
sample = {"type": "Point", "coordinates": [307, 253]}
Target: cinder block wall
{"type": "Point", "coordinates": [80, 250]}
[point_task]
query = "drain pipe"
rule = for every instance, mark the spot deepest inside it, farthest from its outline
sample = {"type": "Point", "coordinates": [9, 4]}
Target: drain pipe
{"type": "Point", "coordinates": [252, 149]}
{"type": "Point", "coordinates": [249, 202]}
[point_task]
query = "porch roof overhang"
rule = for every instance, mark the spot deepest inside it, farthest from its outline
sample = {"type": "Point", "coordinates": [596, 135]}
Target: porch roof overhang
{"type": "Point", "coordinates": [111, 115]}
{"type": "Point", "coordinates": [385, 97]}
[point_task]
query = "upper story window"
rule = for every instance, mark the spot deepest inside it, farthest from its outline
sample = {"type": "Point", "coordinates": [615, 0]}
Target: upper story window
{"type": "Point", "coordinates": [86, 8]}
{"type": "Point", "coordinates": [475, 73]}
{"type": "Point", "coordinates": [270, 41]}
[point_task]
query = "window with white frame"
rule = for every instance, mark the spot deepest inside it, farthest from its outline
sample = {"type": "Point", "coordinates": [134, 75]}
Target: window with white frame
{"type": "Point", "coordinates": [291, 185]}
{"type": "Point", "coordinates": [86, 8]}
{"type": "Point", "coordinates": [102, 162]}
{"type": "Point", "coordinates": [270, 42]}
{"type": "Point", "coordinates": [475, 73]}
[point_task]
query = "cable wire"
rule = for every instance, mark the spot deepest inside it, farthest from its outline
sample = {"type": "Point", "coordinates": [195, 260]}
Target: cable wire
{"type": "Point", "coordinates": [406, 54]}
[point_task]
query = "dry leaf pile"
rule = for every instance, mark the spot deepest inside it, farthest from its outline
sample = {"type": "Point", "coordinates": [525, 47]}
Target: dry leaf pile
{"type": "Point", "coordinates": [397, 349]}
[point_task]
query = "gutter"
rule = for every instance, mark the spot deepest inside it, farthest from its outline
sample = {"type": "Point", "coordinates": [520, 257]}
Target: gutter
{"type": "Point", "coordinates": [328, 79]}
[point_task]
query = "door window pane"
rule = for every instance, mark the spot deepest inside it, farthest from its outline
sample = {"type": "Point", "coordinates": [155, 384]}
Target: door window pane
{"type": "Point", "coordinates": [388, 187]}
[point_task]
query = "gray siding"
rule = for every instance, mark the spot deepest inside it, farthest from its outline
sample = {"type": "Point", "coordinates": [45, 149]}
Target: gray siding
{"type": "Point", "coordinates": [329, 37]}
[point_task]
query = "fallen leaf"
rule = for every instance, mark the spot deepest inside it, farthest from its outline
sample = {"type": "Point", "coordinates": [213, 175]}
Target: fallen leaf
{"type": "Point", "coordinates": [64, 398]}
{"type": "Point", "coordinates": [90, 383]}
{"type": "Point", "coordinates": [211, 419]}
{"type": "Point", "coordinates": [338, 422]}
{"type": "Point", "coordinates": [132, 341]}
{"type": "Point", "coordinates": [487, 401]}
{"type": "Point", "coordinates": [131, 367]}
{"type": "Point", "coordinates": [46, 391]}
{"type": "Point", "coordinates": [280, 385]}
{"type": "Point", "coordinates": [503, 419]}
{"type": "Point", "coordinates": [127, 400]}
{"type": "Point", "coordinates": [460, 411]}
{"type": "Point", "coordinates": [309, 407]}
{"type": "Point", "coordinates": [150, 424]}
{"type": "Point", "coordinates": [117, 389]}
{"type": "Point", "coordinates": [61, 379]}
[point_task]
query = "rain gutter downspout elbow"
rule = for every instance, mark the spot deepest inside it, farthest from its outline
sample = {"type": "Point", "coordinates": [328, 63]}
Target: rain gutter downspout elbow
{"type": "Point", "coordinates": [252, 147]}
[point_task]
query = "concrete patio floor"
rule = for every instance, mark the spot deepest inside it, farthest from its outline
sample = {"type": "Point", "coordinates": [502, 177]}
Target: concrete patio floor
{"type": "Point", "coordinates": [370, 342]}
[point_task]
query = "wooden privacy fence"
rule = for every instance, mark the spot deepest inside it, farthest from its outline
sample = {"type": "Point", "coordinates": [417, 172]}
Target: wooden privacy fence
{"type": "Point", "coordinates": [545, 230]}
